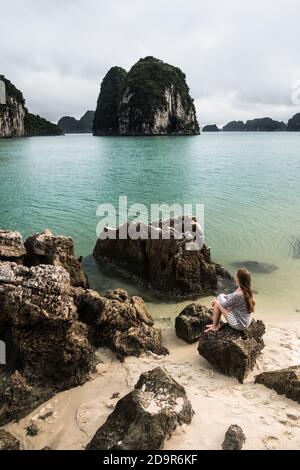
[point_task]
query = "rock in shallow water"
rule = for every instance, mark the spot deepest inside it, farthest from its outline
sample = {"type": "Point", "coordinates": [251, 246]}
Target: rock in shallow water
{"type": "Point", "coordinates": [119, 323]}
{"type": "Point", "coordinates": [191, 322]}
{"type": "Point", "coordinates": [167, 266]}
{"type": "Point", "coordinates": [233, 352]}
{"type": "Point", "coordinates": [234, 438]}
{"type": "Point", "coordinates": [45, 248]}
{"type": "Point", "coordinates": [147, 416]}
{"type": "Point", "coordinates": [284, 382]}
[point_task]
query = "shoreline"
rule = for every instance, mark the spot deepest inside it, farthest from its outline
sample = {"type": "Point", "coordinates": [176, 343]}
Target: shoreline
{"type": "Point", "coordinates": [269, 421]}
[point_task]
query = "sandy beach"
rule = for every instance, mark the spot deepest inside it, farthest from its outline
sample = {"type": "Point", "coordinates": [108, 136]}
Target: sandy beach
{"type": "Point", "coordinates": [70, 419]}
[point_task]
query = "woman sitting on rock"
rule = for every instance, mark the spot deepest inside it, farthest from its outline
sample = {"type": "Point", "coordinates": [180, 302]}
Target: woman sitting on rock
{"type": "Point", "coordinates": [236, 307]}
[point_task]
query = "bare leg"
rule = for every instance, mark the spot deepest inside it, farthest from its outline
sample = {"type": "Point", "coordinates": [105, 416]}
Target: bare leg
{"type": "Point", "coordinates": [218, 311]}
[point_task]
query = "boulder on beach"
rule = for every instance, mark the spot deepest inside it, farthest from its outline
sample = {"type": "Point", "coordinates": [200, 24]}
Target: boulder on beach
{"type": "Point", "coordinates": [11, 247]}
{"type": "Point", "coordinates": [284, 382]}
{"type": "Point", "coordinates": [233, 352]}
{"type": "Point", "coordinates": [44, 340]}
{"type": "Point", "coordinates": [147, 416]}
{"type": "Point", "coordinates": [118, 322]}
{"type": "Point", "coordinates": [8, 441]}
{"type": "Point", "coordinates": [234, 438]}
{"type": "Point", "coordinates": [192, 321]}
{"type": "Point", "coordinates": [180, 266]}
{"type": "Point", "coordinates": [45, 248]}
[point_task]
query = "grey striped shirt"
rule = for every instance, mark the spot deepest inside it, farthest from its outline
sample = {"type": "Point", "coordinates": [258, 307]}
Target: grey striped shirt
{"type": "Point", "coordinates": [237, 305]}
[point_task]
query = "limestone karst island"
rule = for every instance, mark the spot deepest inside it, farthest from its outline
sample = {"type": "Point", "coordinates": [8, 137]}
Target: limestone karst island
{"type": "Point", "coordinates": [149, 232]}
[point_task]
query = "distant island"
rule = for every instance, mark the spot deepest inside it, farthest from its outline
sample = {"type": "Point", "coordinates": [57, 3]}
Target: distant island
{"type": "Point", "coordinates": [16, 120]}
{"type": "Point", "coordinates": [257, 125]}
{"type": "Point", "coordinates": [84, 125]}
{"type": "Point", "coordinates": [151, 99]}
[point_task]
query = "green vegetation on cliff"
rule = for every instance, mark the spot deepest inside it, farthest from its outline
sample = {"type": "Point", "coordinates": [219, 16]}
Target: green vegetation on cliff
{"type": "Point", "coordinates": [152, 99]}
{"type": "Point", "coordinates": [12, 91]}
{"type": "Point", "coordinates": [106, 120]}
{"type": "Point", "coordinates": [147, 82]}
{"type": "Point", "coordinates": [35, 125]}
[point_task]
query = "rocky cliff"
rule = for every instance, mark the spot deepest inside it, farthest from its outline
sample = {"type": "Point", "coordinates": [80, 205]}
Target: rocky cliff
{"type": "Point", "coordinates": [152, 99]}
{"type": "Point", "coordinates": [84, 125]}
{"type": "Point", "coordinates": [12, 111]}
{"type": "Point", "coordinates": [15, 120]}
{"type": "Point", "coordinates": [106, 121]}
{"type": "Point", "coordinates": [294, 123]}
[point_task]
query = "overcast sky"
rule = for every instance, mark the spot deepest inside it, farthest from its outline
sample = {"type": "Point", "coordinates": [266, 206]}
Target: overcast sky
{"type": "Point", "coordinates": [241, 58]}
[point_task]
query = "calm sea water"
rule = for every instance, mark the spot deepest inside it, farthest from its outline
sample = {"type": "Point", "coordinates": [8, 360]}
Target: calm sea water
{"type": "Point", "coordinates": [249, 183]}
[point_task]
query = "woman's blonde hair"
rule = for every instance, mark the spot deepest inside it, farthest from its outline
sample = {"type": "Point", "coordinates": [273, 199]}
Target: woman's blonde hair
{"type": "Point", "coordinates": [244, 279]}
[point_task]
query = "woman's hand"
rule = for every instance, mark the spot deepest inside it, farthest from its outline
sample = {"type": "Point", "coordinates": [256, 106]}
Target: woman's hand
{"type": "Point", "coordinates": [213, 302]}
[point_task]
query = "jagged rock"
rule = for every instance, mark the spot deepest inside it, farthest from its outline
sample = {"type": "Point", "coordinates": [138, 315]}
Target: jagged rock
{"type": "Point", "coordinates": [191, 322]}
{"type": "Point", "coordinates": [44, 339]}
{"type": "Point", "coordinates": [45, 248]}
{"type": "Point", "coordinates": [234, 438]}
{"type": "Point", "coordinates": [8, 441]}
{"type": "Point", "coordinates": [11, 247]}
{"type": "Point", "coordinates": [18, 398]}
{"type": "Point", "coordinates": [234, 126]}
{"type": "Point", "coordinates": [294, 123]}
{"type": "Point", "coordinates": [284, 382]}
{"type": "Point", "coordinates": [119, 323]}
{"type": "Point", "coordinates": [232, 351]}
{"type": "Point", "coordinates": [211, 128]}
{"type": "Point", "coordinates": [169, 267]}
{"type": "Point", "coordinates": [147, 416]}
{"type": "Point", "coordinates": [117, 294]}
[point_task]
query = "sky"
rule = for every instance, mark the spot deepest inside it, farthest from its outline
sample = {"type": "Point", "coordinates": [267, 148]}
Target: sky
{"type": "Point", "coordinates": [241, 59]}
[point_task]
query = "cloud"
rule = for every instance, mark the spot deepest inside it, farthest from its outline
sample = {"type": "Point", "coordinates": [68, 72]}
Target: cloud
{"type": "Point", "coordinates": [240, 58]}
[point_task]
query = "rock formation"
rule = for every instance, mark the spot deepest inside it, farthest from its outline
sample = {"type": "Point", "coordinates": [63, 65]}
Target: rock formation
{"type": "Point", "coordinates": [16, 121]}
{"type": "Point", "coordinates": [84, 125]}
{"type": "Point", "coordinates": [50, 322]}
{"type": "Point", "coordinates": [45, 248]}
{"type": "Point", "coordinates": [11, 247]}
{"type": "Point", "coordinates": [106, 121]}
{"type": "Point", "coordinates": [211, 128]}
{"type": "Point", "coordinates": [8, 441]}
{"type": "Point", "coordinates": [284, 382]}
{"type": "Point", "coordinates": [233, 352]}
{"type": "Point", "coordinates": [234, 126]}
{"type": "Point", "coordinates": [119, 323]}
{"type": "Point", "coordinates": [152, 99]}
{"type": "Point", "coordinates": [170, 267]}
{"type": "Point", "coordinates": [39, 324]}
{"type": "Point", "coordinates": [234, 438]}
{"type": "Point", "coordinates": [192, 321]}
{"type": "Point", "coordinates": [294, 123]}
{"type": "Point", "coordinates": [147, 416]}
{"type": "Point", "coordinates": [264, 125]}
{"type": "Point", "coordinates": [12, 113]}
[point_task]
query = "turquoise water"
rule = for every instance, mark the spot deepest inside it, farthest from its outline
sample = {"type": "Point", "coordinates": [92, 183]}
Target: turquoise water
{"type": "Point", "coordinates": [249, 183]}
